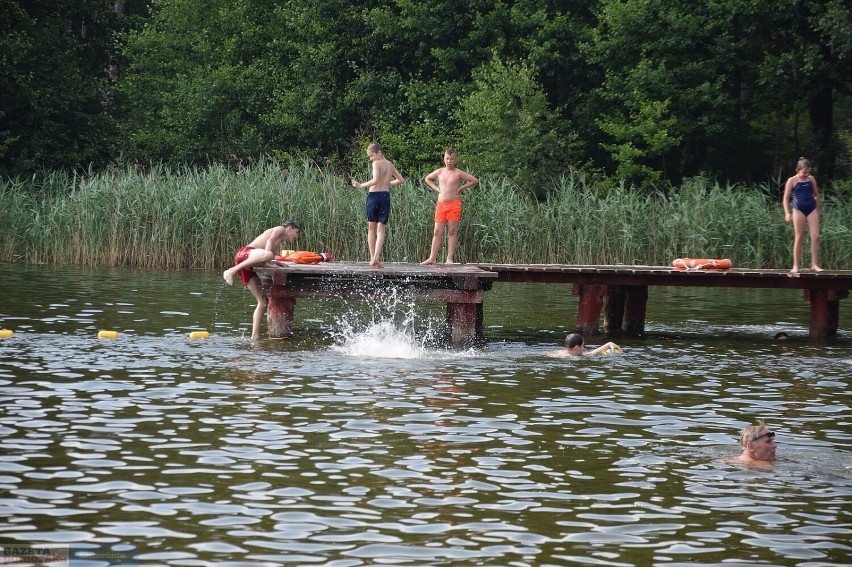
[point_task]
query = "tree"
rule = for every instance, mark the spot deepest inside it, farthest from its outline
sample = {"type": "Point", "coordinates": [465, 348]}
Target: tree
{"type": "Point", "coordinates": [732, 71]}
{"type": "Point", "coordinates": [233, 78]}
{"type": "Point", "coordinates": [54, 84]}
{"type": "Point", "coordinates": [187, 92]}
{"type": "Point", "coordinates": [642, 138]}
{"type": "Point", "coordinates": [424, 56]}
{"type": "Point", "coordinates": [809, 66]}
{"type": "Point", "coordinates": [507, 128]}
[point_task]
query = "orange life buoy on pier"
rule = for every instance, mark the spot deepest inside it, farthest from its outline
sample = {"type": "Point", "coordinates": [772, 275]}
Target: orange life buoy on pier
{"type": "Point", "coordinates": [701, 264]}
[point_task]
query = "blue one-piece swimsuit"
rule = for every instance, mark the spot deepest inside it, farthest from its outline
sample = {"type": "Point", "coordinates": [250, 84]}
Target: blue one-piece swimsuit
{"type": "Point", "coordinates": [803, 197]}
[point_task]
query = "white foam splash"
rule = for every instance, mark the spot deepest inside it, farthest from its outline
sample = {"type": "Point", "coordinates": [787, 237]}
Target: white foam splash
{"type": "Point", "coordinates": [389, 331]}
{"type": "Point", "coordinates": [382, 339]}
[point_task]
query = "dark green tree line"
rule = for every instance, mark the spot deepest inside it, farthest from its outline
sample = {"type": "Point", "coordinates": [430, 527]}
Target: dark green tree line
{"type": "Point", "coordinates": [54, 83]}
{"type": "Point", "coordinates": [725, 83]}
{"type": "Point", "coordinates": [646, 90]}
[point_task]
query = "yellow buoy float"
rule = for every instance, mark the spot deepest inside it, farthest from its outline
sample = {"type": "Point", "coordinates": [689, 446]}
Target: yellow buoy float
{"type": "Point", "coordinates": [107, 334]}
{"type": "Point", "coordinates": [6, 333]}
{"type": "Point", "coordinates": [199, 335]}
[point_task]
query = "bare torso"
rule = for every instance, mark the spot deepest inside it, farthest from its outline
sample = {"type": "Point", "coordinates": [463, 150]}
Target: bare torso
{"type": "Point", "coordinates": [270, 239]}
{"type": "Point", "coordinates": [383, 173]}
{"type": "Point", "coordinates": [451, 182]}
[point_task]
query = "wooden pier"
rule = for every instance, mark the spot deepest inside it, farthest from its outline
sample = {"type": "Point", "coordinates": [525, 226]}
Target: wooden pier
{"type": "Point", "coordinates": [461, 287]}
{"type": "Point", "coordinates": [620, 292]}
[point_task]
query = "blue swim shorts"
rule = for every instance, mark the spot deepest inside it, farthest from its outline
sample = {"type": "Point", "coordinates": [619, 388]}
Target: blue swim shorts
{"type": "Point", "coordinates": [378, 206]}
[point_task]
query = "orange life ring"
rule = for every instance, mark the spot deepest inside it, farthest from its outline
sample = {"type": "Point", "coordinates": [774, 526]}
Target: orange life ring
{"type": "Point", "coordinates": [701, 264]}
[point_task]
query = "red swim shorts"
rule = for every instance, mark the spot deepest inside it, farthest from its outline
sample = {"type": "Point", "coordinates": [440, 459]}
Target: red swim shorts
{"type": "Point", "coordinates": [246, 274]}
{"type": "Point", "coordinates": [448, 211]}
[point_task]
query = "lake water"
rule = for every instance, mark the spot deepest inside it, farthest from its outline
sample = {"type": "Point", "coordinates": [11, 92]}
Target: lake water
{"type": "Point", "coordinates": [361, 441]}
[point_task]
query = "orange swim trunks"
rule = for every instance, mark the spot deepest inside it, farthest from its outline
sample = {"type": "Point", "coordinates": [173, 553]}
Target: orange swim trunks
{"type": "Point", "coordinates": [448, 211]}
{"type": "Point", "coordinates": [242, 254]}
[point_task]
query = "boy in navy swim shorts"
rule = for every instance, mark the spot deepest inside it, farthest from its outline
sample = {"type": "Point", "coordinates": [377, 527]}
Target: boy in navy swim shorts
{"type": "Point", "coordinates": [385, 176]}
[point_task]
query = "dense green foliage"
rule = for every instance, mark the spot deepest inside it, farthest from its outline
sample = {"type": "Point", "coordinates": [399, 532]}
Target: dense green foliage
{"type": "Point", "coordinates": [53, 84]}
{"type": "Point", "coordinates": [197, 218]}
{"type": "Point", "coordinates": [652, 91]}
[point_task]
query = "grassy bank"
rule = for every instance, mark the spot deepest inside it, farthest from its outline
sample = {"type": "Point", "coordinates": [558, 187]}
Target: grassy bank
{"type": "Point", "coordinates": [194, 218]}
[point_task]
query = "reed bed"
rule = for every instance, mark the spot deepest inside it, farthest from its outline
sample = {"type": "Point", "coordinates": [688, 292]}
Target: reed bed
{"type": "Point", "coordinates": [170, 218]}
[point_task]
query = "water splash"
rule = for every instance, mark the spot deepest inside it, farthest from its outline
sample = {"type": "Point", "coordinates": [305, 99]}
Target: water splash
{"type": "Point", "coordinates": [391, 331]}
{"type": "Point", "coordinates": [381, 339]}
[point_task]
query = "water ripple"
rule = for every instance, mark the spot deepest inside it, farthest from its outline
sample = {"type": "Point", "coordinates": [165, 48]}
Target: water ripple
{"type": "Point", "coordinates": [339, 451]}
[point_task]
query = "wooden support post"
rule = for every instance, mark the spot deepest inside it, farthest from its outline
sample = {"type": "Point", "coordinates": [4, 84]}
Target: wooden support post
{"type": "Point", "coordinates": [819, 313]}
{"type": "Point", "coordinates": [636, 303]}
{"type": "Point", "coordinates": [825, 311]}
{"type": "Point", "coordinates": [833, 317]}
{"type": "Point", "coordinates": [465, 323]}
{"type": "Point", "coordinates": [614, 309]}
{"type": "Point", "coordinates": [279, 315]}
{"type": "Point", "coordinates": [834, 298]}
{"type": "Point", "coordinates": [589, 310]}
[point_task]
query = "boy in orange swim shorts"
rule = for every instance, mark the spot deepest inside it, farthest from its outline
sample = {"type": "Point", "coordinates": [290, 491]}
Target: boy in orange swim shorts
{"type": "Point", "coordinates": [451, 182]}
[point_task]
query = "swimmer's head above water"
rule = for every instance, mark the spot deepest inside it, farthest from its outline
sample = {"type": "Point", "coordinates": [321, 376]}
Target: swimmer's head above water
{"type": "Point", "coordinates": [758, 443]}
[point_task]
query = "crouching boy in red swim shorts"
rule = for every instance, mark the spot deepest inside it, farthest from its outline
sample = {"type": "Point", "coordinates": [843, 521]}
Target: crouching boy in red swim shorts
{"type": "Point", "coordinates": [451, 182]}
{"type": "Point", "coordinates": [260, 251]}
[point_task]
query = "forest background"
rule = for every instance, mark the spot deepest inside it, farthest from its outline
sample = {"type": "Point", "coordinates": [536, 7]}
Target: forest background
{"type": "Point", "coordinates": [630, 131]}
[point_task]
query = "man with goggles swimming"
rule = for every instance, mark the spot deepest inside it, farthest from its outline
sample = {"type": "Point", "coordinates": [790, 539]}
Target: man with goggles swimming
{"type": "Point", "coordinates": [758, 444]}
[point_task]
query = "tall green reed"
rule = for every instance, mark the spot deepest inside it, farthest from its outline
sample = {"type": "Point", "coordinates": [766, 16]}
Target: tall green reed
{"type": "Point", "coordinates": [160, 217]}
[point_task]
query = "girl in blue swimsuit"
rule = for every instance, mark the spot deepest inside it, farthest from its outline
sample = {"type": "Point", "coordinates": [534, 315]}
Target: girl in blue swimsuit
{"type": "Point", "coordinates": [805, 197]}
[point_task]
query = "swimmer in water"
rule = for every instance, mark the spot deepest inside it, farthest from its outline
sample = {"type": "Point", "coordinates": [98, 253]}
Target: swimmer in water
{"type": "Point", "coordinates": [574, 345]}
{"type": "Point", "coordinates": [758, 444]}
